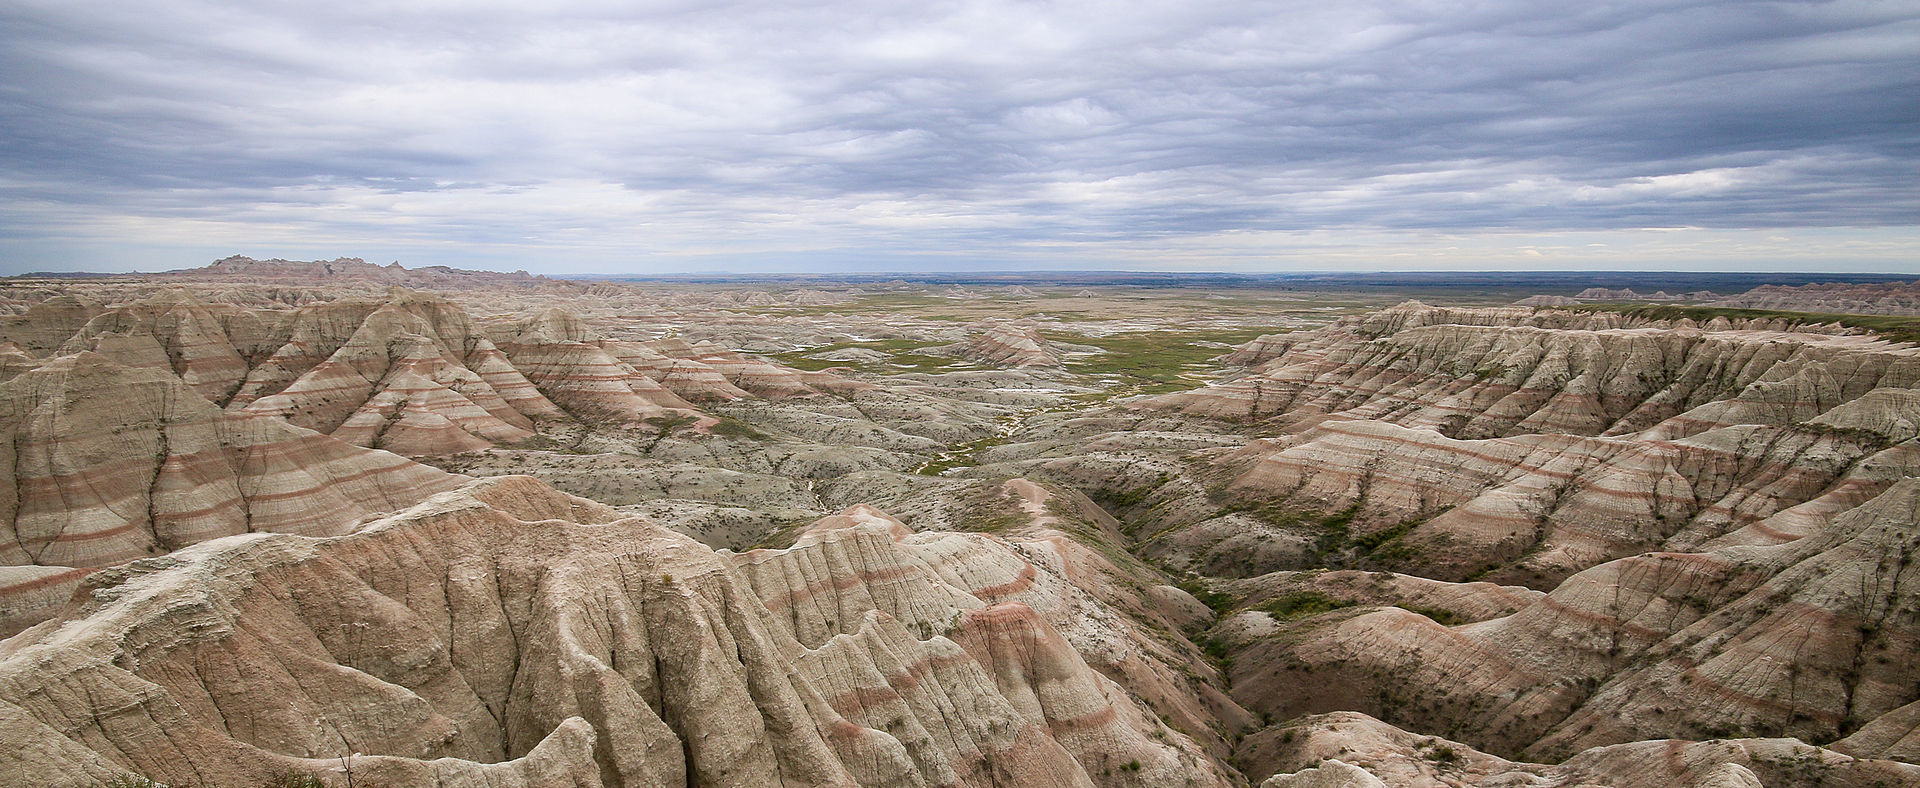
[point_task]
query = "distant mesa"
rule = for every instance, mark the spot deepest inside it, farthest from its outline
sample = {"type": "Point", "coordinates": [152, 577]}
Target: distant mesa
{"type": "Point", "coordinates": [1889, 298]}
{"type": "Point", "coordinates": [350, 269]}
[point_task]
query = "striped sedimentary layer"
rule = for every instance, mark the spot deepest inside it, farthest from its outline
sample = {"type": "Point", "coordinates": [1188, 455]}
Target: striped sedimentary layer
{"type": "Point", "coordinates": [633, 381]}
{"type": "Point", "coordinates": [1005, 344]}
{"type": "Point", "coordinates": [1509, 371]}
{"type": "Point", "coordinates": [509, 635]}
{"type": "Point", "coordinates": [1321, 751]}
{"type": "Point", "coordinates": [411, 372]}
{"type": "Point", "coordinates": [1534, 508]}
{"type": "Point", "coordinates": [110, 463]}
{"type": "Point", "coordinates": [1812, 638]}
{"type": "Point", "coordinates": [1535, 444]}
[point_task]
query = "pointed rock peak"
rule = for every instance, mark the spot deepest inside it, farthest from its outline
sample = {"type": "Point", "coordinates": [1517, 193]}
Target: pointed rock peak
{"type": "Point", "coordinates": [171, 296]}
{"type": "Point", "coordinates": [65, 303]}
{"type": "Point", "coordinates": [83, 361]}
{"type": "Point", "coordinates": [859, 515]}
{"type": "Point", "coordinates": [1410, 305]}
{"type": "Point", "coordinates": [402, 295]}
{"type": "Point", "coordinates": [389, 321]}
{"type": "Point", "coordinates": [555, 325]}
{"type": "Point", "coordinates": [1331, 773]}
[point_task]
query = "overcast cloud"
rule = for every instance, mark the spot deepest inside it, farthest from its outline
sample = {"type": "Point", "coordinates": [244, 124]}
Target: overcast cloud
{"type": "Point", "coordinates": [671, 136]}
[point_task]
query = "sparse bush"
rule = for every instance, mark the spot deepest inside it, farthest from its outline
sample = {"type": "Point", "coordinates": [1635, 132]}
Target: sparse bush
{"type": "Point", "coordinates": [293, 779]}
{"type": "Point", "coordinates": [131, 781]}
{"type": "Point", "coordinates": [1301, 604]}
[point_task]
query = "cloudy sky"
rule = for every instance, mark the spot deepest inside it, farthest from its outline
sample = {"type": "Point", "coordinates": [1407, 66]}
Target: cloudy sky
{"type": "Point", "coordinates": [601, 136]}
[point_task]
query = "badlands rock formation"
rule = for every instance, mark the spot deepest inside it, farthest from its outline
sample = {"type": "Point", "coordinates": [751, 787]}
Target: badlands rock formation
{"type": "Point", "coordinates": [1350, 750]}
{"type": "Point", "coordinates": [1892, 298]}
{"type": "Point", "coordinates": [1005, 344]}
{"type": "Point", "coordinates": [1424, 546]}
{"type": "Point", "coordinates": [411, 372]}
{"type": "Point", "coordinates": [1531, 444]}
{"type": "Point", "coordinates": [110, 463]}
{"type": "Point", "coordinates": [508, 635]}
{"type": "Point", "coordinates": [1691, 531]}
{"type": "Point", "coordinates": [351, 269]}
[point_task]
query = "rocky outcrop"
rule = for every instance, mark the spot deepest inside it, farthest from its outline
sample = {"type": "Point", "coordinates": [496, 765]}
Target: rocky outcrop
{"type": "Point", "coordinates": [354, 269]}
{"type": "Point", "coordinates": [1004, 344]}
{"type": "Point", "coordinates": [1890, 298]}
{"type": "Point", "coordinates": [1345, 748]}
{"type": "Point", "coordinates": [1331, 773]}
{"type": "Point", "coordinates": [110, 464]}
{"type": "Point", "coordinates": [48, 324]}
{"type": "Point", "coordinates": [1807, 638]}
{"type": "Point", "coordinates": [1491, 441]}
{"type": "Point", "coordinates": [563, 358]}
{"type": "Point", "coordinates": [509, 635]}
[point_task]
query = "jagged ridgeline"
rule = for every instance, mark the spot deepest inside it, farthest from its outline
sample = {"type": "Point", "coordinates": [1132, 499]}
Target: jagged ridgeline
{"type": "Point", "coordinates": [1423, 545]}
{"type": "Point", "coordinates": [506, 634]}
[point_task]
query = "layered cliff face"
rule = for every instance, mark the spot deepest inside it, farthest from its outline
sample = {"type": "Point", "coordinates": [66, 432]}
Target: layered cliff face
{"type": "Point", "coordinates": [1321, 751]}
{"type": "Point", "coordinates": [600, 375]}
{"type": "Point", "coordinates": [1478, 441]}
{"type": "Point", "coordinates": [1702, 531]}
{"type": "Point", "coordinates": [1891, 298]}
{"type": "Point", "coordinates": [1813, 639]}
{"type": "Point", "coordinates": [412, 372]}
{"type": "Point", "coordinates": [1005, 344]}
{"type": "Point", "coordinates": [110, 463]}
{"type": "Point", "coordinates": [508, 635]}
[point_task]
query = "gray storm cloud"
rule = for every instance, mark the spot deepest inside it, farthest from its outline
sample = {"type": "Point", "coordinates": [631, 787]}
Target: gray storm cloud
{"type": "Point", "coordinates": [614, 132]}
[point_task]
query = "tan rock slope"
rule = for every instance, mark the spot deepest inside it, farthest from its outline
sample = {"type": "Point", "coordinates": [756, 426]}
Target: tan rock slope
{"type": "Point", "coordinates": [1535, 444]}
{"type": "Point", "coordinates": [411, 372]}
{"type": "Point", "coordinates": [110, 463]}
{"type": "Point", "coordinates": [1704, 531]}
{"type": "Point", "coordinates": [1015, 344]}
{"type": "Point", "coordinates": [509, 635]}
{"type": "Point", "coordinates": [1351, 750]}
{"type": "Point", "coordinates": [1890, 298]}
{"type": "Point", "coordinates": [354, 269]}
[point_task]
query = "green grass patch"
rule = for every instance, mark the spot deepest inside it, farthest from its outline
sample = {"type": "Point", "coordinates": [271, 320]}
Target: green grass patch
{"type": "Point", "coordinates": [1217, 602]}
{"type": "Point", "coordinates": [962, 456]}
{"type": "Point", "coordinates": [735, 428]}
{"type": "Point", "coordinates": [1440, 615]}
{"type": "Point", "coordinates": [1301, 604]}
{"type": "Point", "coordinates": [901, 357]}
{"type": "Point", "coordinates": [1152, 362]}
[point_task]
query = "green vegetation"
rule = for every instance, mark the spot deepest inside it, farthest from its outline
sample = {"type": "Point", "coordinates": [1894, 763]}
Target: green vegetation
{"type": "Point", "coordinates": [735, 428]}
{"type": "Point", "coordinates": [1901, 328]}
{"type": "Point", "coordinates": [295, 780]}
{"type": "Point", "coordinates": [1301, 604]}
{"type": "Point", "coordinates": [672, 421]}
{"type": "Point", "coordinates": [1373, 541]}
{"type": "Point", "coordinates": [961, 456]}
{"type": "Point", "coordinates": [1152, 362]}
{"type": "Point", "coordinates": [284, 779]}
{"type": "Point", "coordinates": [901, 357]}
{"type": "Point", "coordinates": [1440, 615]}
{"type": "Point", "coordinates": [1219, 603]}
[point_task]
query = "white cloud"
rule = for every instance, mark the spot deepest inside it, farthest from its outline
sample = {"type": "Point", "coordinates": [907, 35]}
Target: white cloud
{"type": "Point", "coordinates": [602, 131]}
